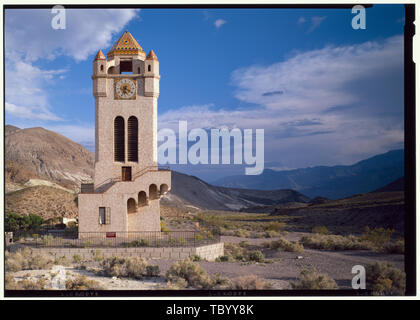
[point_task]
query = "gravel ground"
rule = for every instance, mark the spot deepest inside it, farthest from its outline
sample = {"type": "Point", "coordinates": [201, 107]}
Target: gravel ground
{"type": "Point", "coordinates": [285, 267]}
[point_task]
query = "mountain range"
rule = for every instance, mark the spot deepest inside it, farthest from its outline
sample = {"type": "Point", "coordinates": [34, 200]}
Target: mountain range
{"type": "Point", "coordinates": [330, 182]}
{"type": "Point", "coordinates": [39, 161]}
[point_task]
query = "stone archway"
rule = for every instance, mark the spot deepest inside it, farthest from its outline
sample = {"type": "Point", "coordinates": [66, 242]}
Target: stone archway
{"type": "Point", "coordinates": [153, 192]}
{"type": "Point", "coordinates": [131, 206]}
{"type": "Point", "coordinates": [142, 199]}
{"type": "Point", "coordinates": [163, 189]}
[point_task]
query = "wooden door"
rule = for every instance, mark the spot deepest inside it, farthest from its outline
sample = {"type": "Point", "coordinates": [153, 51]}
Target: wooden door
{"type": "Point", "coordinates": [126, 174]}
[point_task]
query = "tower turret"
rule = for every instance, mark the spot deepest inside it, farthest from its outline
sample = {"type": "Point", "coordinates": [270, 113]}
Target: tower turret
{"type": "Point", "coordinates": [99, 75]}
{"type": "Point", "coordinates": [151, 75]}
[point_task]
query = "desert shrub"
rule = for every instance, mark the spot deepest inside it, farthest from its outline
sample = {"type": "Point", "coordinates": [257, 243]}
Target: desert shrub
{"type": "Point", "coordinates": [378, 236]}
{"type": "Point", "coordinates": [82, 283]}
{"type": "Point", "coordinates": [242, 233]}
{"type": "Point", "coordinates": [255, 255]}
{"type": "Point", "coordinates": [77, 258]}
{"type": "Point", "coordinates": [124, 267]}
{"type": "Point", "coordinates": [248, 282]}
{"type": "Point", "coordinates": [26, 260]}
{"type": "Point", "coordinates": [97, 255]}
{"type": "Point", "coordinates": [320, 230]}
{"type": "Point", "coordinates": [244, 244]}
{"type": "Point", "coordinates": [394, 247]}
{"type": "Point", "coordinates": [138, 243]}
{"type": "Point", "coordinates": [176, 284]}
{"type": "Point", "coordinates": [335, 242]}
{"type": "Point", "coordinates": [47, 239]}
{"type": "Point", "coordinates": [276, 226]}
{"type": "Point", "coordinates": [194, 275]}
{"type": "Point", "coordinates": [285, 245]}
{"type": "Point", "coordinates": [163, 227]}
{"type": "Point", "coordinates": [383, 279]}
{"type": "Point", "coordinates": [152, 271]}
{"type": "Point", "coordinates": [72, 225]}
{"type": "Point", "coordinates": [271, 234]}
{"type": "Point", "coordinates": [196, 258]}
{"type": "Point", "coordinates": [312, 280]}
{"type": "Point", "coordinates": [26, 284]}
{"type": "Point", "coordinates": [62, 261]}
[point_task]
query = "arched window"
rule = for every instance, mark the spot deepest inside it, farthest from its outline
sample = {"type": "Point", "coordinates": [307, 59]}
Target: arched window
{"type": "Point", "coordinates": [102, 67]}
{"type": "Point", "coordinates": [133, 140]}
{"type": "Point", "coordinates": [119, 150]}
{"type": "Point", "coordinates": [153, 193]}
{"type": "Point", "coordinates": [111, 70]}
{"type": "Point", "coordinates": [149, 68]}
{"type": "Point", "coordinates": [131, 205]}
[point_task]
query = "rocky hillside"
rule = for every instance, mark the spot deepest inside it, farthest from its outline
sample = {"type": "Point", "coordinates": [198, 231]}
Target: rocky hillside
{"type": "Point", "coordinates": [191, 191]}
{"type": "Point", "coordinates": [44, 201]}
{"type": "Point", "coordinates": [43, 154]}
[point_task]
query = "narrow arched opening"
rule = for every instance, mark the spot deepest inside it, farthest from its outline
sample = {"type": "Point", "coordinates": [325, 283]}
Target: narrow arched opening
{"type": "Point", "coordinates": [133, 141]}
{"type": "Point", "coordinates": [131, 205]}
{"type": "Point", "coordinates": [153, 192]}
{"type": "Point", "coordinates": [163, 189]}
{"type": "Point", "coordinates": [142, 199]}
{"type": "Point", "coordinates": [119, 150]}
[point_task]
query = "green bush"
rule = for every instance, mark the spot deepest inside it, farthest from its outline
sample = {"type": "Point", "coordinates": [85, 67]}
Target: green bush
{"type": "Point", "coordinates": [256, 255]}
{"type": "Point", "coordinates": [383, 279]}
{"type": "Point", "coordinates": [152, 271]}
{"type": "Point", "coordinates": [285, 245]}
{"type": "Point", "coordinates": [320, 230]}
{"type": "Point", "coordinates": [14, 222]}
{"type": "Point", "coordinates": [312, 280]}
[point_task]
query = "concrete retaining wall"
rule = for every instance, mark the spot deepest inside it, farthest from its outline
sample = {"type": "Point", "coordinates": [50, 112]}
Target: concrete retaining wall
{"type": "Point", "coordinates": [207, 252]}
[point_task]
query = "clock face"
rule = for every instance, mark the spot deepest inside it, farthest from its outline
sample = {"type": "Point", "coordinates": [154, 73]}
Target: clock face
{"type": "Point", "coordinates": [125, 89]}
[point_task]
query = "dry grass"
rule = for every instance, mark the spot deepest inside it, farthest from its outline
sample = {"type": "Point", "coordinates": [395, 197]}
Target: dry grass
{"type": "Point", "coordinates": [248, 282]}
{"type": "Point", "coordinates": [335, 242]}
{"type": "Point", "coordinates": [135, 268]}
{"type": "Point", "coordinates": [312, 280]}
{"type": "Point", "coordinates": [285, 245]}
{"type": "Point", "coordinates": [82, 283]}
{"type": "Point", "coordinates": [11, 284]}
{"type": "Point", "coordinates": [26, 260]}
{"type": "Point", "coordinates": [235, 252]}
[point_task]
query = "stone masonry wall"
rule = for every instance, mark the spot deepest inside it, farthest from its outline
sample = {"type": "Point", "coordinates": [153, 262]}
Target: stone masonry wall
{"type": "Point", "coordinates": [207, 252]}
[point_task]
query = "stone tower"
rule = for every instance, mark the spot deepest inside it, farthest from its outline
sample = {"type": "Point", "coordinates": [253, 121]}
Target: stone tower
{"type": "Point", "coordinates": [127, 183]}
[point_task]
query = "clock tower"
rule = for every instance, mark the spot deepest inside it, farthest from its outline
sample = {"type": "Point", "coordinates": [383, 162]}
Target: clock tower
{"type": "Point", "coordinates": [127, 183]}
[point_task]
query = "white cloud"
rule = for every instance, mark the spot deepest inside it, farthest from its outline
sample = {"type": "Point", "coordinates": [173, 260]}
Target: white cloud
{"type": "Point", "coordinates": [28, 33]}
{"type": "Point", "coordinates": [339, 104]}
{"type": "Point", "coordinates": [219, 22]}
{"type": "Point", "coordinates": [315, 23]}
{"type": "Point", "coordinates": [29, 38]}
{"type": "Point", "coordinates": [301, 20]}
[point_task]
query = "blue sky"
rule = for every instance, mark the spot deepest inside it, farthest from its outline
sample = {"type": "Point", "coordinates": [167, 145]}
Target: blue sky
{"type": "Point", "coordinates": [324, 93]}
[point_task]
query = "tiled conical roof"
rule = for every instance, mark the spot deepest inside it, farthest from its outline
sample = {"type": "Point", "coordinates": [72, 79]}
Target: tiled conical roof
{"type": "Point", "coordinates": [151, 55]}
{"type": "Point", "coordinates": [125, 45]}
{"type": "Point", "coordinates": [100, 56]}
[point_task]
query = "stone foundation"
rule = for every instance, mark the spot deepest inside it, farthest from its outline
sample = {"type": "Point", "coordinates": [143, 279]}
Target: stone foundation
{"type": "Point", "coordinates": [206, 252]}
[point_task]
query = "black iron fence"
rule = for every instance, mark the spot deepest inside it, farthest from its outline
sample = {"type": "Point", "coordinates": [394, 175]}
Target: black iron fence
{"type": "Point", "coordinates": [122, 239]}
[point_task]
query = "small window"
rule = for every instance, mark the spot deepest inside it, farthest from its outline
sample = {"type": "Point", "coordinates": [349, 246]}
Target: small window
{"type": "Point", "coordinates": [102, 67]}
{"type": "Point", "coordinates": [138, 70]}
{"type": "Point", "coordinates": [104, 215]}
{"type": "Point", "coordinates": [126, 66]}
{"type": "Point", "coordinates": [149, 68]}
